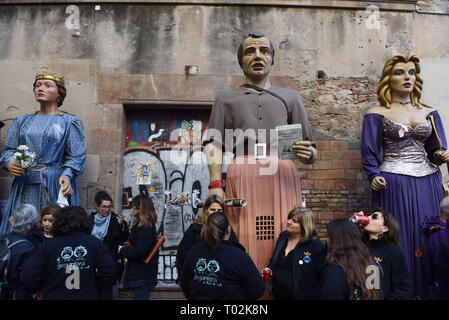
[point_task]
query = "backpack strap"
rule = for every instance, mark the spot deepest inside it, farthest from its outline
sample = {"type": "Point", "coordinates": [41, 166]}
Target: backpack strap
{"type": "Point", "coordinates": [16, 242]}
{"type": "Point", "coordinates": [274, 94]}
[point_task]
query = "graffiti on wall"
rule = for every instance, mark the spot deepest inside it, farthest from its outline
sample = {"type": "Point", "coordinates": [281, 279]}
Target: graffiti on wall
{"type": "Point", "coordinates": [174, 188]}
{"type": "Point", "coordinates": [164, 155]}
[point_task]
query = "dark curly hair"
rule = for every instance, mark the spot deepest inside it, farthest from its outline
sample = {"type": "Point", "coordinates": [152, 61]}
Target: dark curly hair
{"type": "Point", "coordinates": [71, 219]}
{"type": "Point", "coordinates": [101, 196]}
{"type": "Point", "coordinates": [48, 210]}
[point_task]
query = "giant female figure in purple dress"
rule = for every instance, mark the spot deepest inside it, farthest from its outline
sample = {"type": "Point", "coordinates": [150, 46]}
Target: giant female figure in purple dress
{"type": "Point", "coordinates": [57, 139]}
{"type": "Point", "coordinates": [403, 142]}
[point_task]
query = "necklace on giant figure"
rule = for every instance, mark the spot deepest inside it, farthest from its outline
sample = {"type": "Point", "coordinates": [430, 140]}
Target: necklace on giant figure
{"type": "Point", "coordinates": [400, 102]}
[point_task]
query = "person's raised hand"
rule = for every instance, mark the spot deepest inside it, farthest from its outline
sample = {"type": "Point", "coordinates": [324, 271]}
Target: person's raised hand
{"type": "Point", "coordinates": [120, 219]}
{"type": "Point", "coordinates": [360, 213]}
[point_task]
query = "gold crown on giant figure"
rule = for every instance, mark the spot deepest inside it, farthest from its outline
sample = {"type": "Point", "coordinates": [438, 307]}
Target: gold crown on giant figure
{"type": "Point", "coordinates": [50, 76]}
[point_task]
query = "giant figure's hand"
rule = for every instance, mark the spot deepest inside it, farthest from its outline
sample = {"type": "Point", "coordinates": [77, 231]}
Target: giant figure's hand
{"type": "Point", "coordinates": [217, 192]}
{"type": "Point", "coordinates": [66, 186]}
{"type": "Point", "coordinates": [379, 183]}
{"type": "Point", "coordinates": [214, 156]}
{"type": "Point", "coordinates": [15, 169]}
{"type": "Point", "coordinates": [305, 151]}
{"type": "Point", "coordinates": [443, 155]}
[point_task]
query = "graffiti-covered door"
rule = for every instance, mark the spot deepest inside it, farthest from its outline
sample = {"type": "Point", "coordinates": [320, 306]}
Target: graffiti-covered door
{"type": "Point", "coordinates": [163, 153]}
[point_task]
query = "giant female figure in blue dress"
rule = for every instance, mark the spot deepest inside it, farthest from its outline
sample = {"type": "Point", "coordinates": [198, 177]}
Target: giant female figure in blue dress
{"type": "Point", "coordinates": [57, 139]}
{"type": "Point", "coordinates": [403, 142]}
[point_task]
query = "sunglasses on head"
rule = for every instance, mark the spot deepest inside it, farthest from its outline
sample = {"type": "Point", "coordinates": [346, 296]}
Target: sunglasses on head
{"type": "Point", "coordinates": [215, 209]}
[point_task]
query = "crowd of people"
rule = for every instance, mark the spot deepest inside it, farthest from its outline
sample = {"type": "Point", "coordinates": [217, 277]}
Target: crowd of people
{"type": "Point", "coordinates": [358, 262]}
{"type": "Point", "coordinates": [65, 253]}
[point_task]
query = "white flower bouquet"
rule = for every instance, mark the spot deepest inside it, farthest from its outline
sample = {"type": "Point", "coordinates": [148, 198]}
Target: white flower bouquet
{"type": "Point", "coordinates": [24, 157]}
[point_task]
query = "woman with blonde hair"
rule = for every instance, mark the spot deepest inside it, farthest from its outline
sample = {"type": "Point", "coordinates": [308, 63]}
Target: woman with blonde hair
{"type": "Point", "coordinates": [298, 259]}
{"type": "Point", "coordinates": [402, 144]}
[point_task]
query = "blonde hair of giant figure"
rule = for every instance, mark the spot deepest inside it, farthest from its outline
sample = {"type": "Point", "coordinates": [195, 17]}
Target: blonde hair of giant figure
{"type": "Point", "coordinates": [383, 88]}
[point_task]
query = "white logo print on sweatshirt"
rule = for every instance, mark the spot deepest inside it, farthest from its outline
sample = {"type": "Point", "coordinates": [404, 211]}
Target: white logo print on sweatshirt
{"type": "Point", "coordinates": [206, 272]}
{"type": "Point", "coordinates": [72, 257]}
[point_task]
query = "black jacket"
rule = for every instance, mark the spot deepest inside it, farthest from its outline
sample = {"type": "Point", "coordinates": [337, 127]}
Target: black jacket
{"type": "Point", "coordinates": [395, 277]}
{"type": "Point", "coordinates": [227, 273]}
{"type": "Point", "coordinates": [334, 285]}
{"type": "Point", "coordinates": [20, 253]}
{"type": "Point", "coordinates": [36, 236]}
{"type": "Point", "coordinates": [191, 237]}
{"type": "Point", "coordinates": [142, 240]}
{"type": "Point", "coordinates": [117, 234]}
{"type": "Point", "coordinates": [48, 269]}
{"type": "Point", "coordinates": [307, 272]}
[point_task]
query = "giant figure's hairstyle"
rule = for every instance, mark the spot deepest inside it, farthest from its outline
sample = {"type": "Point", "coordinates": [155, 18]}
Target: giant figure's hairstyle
{"type": "Point", "coordinates": [383, 88]}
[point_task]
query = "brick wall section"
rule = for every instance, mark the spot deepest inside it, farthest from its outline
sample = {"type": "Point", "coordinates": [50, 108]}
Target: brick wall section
{"type": "Point", "coordinates": [335, 186]}
{"type": "Point", "coordinates": [335, 106]}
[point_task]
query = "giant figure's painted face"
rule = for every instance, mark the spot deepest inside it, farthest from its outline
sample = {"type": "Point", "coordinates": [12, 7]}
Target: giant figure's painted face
{"type": "Point", "coordinates": [403, 78]}
{"type": "Point", "coordinates": [46, 90]}
{"type": "Point", "coordinates": [257, 58]}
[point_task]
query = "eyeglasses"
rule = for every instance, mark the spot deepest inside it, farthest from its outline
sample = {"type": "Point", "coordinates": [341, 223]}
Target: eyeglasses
{"type": "Point", "coordinates": [106, 207]}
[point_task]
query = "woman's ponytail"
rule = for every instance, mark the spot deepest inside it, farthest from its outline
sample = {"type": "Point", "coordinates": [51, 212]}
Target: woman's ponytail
{"type": "Point", "coordinates": [215, 229]}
